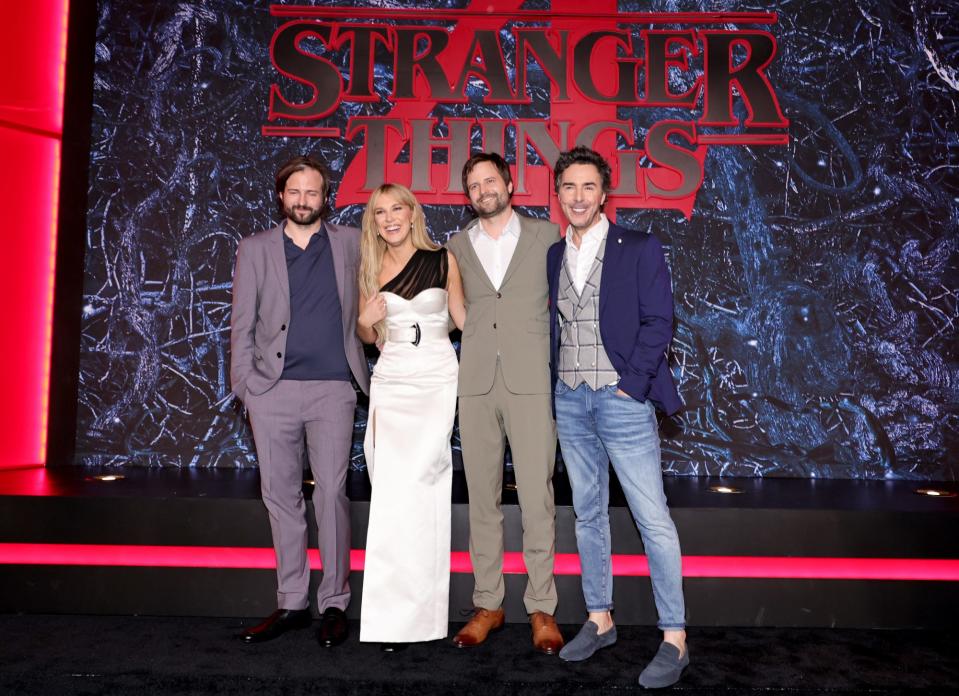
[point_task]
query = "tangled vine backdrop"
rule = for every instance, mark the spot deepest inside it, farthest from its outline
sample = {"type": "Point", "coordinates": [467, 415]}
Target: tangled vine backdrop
{"type": "Point", "coordinates": [815, 283]}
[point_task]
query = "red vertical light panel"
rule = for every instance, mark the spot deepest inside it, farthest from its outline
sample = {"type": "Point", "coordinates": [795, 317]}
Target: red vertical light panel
{"type": "Point", "coordinates": [33, 38]}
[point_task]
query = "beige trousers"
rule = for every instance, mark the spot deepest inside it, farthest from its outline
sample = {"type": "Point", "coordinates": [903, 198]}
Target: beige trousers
{"type": "Point", "coordinates": [486, 423]}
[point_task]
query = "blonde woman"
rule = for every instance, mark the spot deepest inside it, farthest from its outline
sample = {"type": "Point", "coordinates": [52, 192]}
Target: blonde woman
{"type": "Point", "coordinates": [409, 287]}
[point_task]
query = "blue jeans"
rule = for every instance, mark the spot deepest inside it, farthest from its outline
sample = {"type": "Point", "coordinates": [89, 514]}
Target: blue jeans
{"type": "Point", "coordinates": [596, 428]}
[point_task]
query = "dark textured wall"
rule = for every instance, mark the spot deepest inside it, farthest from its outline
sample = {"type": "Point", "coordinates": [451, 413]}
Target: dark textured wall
{"type": "Point", "coordinates": [815, 284]}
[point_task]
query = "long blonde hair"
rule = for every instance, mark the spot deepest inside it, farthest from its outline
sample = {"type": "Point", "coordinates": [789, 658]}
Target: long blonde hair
{"type": "Point", "coordinates": [372, 246]}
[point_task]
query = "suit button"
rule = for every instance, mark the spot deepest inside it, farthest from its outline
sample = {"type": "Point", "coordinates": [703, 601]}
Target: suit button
{"type": "Point", "coordinates": [499, 295]}
{"type": "Point", "coordinates": [494, 324]}
{"type": "Point", "coordinates": [279, 355]}
{"type": "Point", "coordinates": [283, 327]}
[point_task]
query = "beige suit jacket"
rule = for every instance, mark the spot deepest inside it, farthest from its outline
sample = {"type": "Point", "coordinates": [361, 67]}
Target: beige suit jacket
{"type": "Point", "coordinates": [513, 322]}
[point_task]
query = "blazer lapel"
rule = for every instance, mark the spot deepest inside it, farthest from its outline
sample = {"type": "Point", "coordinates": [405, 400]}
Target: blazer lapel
{"type": "Point", "coordinates": [339, 258]}
{"type": "Point", "coordinates": [523, 245]}
{"type": "Point", "coordinates": [611, 258]}
{"type": "Point", "coordinates": [472, 258]}
{"type": "Point", "coordinates": [278, 259]}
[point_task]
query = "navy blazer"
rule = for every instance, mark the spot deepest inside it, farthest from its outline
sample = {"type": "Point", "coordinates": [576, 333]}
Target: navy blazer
{"type": "Point", "coordinates": [635, 314]}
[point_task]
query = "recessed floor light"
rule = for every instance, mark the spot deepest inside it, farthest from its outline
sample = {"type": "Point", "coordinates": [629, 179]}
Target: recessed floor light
{"type": "Point", "coordinates": [936, 492]}
{"type": "Point", "coordinates": [724, 489]}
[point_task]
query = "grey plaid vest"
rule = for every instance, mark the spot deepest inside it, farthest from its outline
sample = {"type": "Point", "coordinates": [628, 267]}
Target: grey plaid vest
{"type": "Point", "coordinates": [582, 357]}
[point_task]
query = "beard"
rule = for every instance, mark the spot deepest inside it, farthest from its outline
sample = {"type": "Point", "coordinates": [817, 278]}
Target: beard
{"type": "Point", "coordinates": [303, 214]}
{"type": "Point", "coordinates": [491, 205]}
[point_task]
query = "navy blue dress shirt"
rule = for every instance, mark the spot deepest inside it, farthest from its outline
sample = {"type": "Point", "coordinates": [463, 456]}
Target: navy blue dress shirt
{"type": "Point", "coordinates": [314, 343]}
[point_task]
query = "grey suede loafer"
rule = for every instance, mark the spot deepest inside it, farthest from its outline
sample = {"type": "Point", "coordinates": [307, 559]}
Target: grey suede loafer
{"type": "Point", "coordinates": [665, 668]}
{"type": "Point", "coordinates": [586, 642]}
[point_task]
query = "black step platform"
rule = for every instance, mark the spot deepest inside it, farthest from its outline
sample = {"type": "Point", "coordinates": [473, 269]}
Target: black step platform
{"type": "Point", "coordinates": [780, 552]}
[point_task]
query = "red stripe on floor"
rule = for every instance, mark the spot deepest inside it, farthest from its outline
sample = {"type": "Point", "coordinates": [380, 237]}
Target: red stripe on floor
{"type": "Point", "coordinates": [566, 563]}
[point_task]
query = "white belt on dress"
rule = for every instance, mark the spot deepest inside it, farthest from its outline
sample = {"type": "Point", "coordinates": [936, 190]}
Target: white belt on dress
{"type": "Point", "coordinates": [415, 333]}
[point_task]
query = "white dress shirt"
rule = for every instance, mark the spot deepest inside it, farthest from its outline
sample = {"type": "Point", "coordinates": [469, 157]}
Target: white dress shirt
{"type": "Point", "coordinates": [580, 261]}
{"type": "Point", "coordinates": [495, 254]}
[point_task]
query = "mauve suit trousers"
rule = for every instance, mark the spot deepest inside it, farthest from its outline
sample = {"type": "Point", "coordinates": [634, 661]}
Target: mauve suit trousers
{"type": "Point", "coordinates": [323, 412]}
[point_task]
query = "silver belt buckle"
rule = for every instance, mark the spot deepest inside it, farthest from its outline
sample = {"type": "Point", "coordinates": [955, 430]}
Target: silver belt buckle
{"type": "Point", "coordinates": [416, 328]}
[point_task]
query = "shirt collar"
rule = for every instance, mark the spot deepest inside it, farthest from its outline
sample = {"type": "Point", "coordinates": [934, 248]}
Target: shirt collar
{"type": "Point", "coordinates": [319, 234]}
{"type": "Point", "coordinates": [593, 235]}
{"type": "Point", "coordinates": [512, 228]}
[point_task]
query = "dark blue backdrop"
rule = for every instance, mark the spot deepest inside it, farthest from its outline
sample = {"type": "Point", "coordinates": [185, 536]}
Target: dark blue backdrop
{"type": "Point", "coordinates": [815, 284]}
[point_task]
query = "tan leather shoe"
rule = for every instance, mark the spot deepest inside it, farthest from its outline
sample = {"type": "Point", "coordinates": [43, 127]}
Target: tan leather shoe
{"type": "Point", "coordinates": [484, 622]}
{"type": "Point", "coordinates": [546, 636]}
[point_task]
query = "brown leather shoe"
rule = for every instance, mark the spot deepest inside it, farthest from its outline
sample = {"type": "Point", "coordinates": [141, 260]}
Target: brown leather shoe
{"type": "Point", "coordinates": [546, 636]}
{"type": "Point", "coordinates": [484, 622]}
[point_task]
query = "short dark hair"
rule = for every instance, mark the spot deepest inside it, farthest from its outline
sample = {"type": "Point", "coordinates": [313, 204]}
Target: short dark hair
{"type": "Point", "coordinates": [494, 159]}
{"type": "Point", "coordinates": [583, 155]}
{"type": "Point", "coordinates": [298, 164]}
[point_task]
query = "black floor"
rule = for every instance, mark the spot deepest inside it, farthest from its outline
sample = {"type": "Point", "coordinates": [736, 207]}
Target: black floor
{"type": "Point", "coordinates": [146, 655]}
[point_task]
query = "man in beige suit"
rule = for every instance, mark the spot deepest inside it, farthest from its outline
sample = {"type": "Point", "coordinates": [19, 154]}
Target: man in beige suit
{"type": "Point", "coordinates": [504, 394]}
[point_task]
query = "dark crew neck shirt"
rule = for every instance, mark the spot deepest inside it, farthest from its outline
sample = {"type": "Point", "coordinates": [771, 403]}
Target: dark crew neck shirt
{"type": "Point", "coordinates": [314, 342]}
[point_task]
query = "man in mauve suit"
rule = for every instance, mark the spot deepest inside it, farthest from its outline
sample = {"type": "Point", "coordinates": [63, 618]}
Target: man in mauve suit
{"type": "Point", "coordinates": [504, 394]}
{"type": "Point", "coordinates": [611, 322]}
{"type": "Point", "coordinates": [294, 351]}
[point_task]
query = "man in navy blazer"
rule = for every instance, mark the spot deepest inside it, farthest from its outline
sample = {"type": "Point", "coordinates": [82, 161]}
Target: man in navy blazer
{"type": "Point", "coordinates": [611, 320]}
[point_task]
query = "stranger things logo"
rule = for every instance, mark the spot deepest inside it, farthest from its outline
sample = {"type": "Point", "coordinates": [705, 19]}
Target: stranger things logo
{"type": "Point", "coordinates": [420, 89]}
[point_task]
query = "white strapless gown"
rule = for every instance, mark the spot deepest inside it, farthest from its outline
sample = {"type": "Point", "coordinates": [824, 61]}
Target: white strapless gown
{"type": "Point", "coordinates": [407, 447]}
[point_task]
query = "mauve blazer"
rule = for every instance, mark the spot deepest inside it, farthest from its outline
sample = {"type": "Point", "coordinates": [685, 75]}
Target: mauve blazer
{"type": "Point", "coordinates": [261, 308]}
